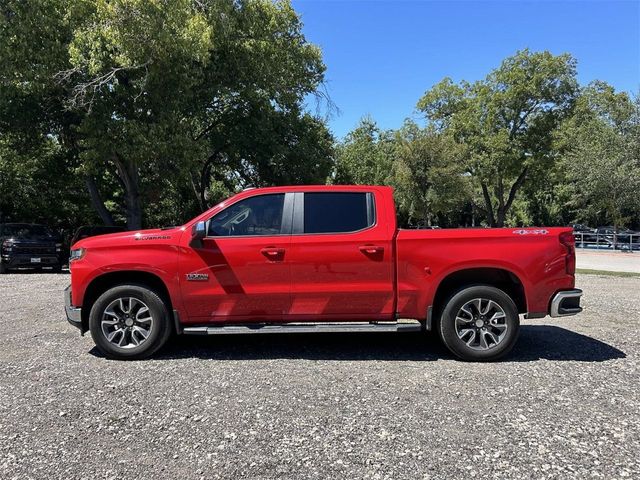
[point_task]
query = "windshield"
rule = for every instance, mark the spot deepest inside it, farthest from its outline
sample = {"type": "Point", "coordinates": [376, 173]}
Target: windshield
{"type": "Point", "coordinates": [24, 230]}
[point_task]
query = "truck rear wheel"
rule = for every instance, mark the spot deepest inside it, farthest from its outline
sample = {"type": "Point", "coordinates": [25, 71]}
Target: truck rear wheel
{"type": "Point", "coordinates": [129, 322]}
{"type": "Point", "coordinates": [479, 323]}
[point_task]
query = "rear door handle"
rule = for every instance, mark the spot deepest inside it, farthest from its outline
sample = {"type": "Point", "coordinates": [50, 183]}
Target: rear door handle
{"type": "Point", "coordinates": [371, 249]}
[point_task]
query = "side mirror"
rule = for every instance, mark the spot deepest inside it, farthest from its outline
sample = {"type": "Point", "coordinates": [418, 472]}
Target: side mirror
{"type": "Point", "coordinates": [198, 232]}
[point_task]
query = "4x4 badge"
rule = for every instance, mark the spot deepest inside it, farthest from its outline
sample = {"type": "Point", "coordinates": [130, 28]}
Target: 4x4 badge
{"type": "Point", "coordinates": [197, 277]}
{"type": "Point", "coordinates": [531, 232]}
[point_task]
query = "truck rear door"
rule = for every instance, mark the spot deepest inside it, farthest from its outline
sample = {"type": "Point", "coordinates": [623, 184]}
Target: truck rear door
{"type": "Point", "coordinates": [341, 257]}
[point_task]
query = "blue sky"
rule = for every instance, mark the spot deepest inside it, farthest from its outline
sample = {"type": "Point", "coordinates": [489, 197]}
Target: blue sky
{"type": "Point", "coordinates": [381, 56]}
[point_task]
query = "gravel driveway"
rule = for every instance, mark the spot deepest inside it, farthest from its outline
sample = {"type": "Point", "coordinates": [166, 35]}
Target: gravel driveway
{"type": "Point", "coordinates": [565, 404]}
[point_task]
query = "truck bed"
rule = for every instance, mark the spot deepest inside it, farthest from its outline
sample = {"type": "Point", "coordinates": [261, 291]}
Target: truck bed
{"type": "Point", "coordinates": [534, 256]}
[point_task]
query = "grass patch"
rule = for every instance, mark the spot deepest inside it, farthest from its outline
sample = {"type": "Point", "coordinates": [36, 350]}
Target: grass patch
{"type": "Point", "coordinates": [588, 271]}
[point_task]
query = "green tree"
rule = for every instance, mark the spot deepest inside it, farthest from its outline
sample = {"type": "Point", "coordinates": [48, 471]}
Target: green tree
{"type": "Point", "coordinates": [601, 145]}
{"type": "Point", "coordinates": [366, 155]}
{"type": "Point", "coordinates": [428, 175]}
{"type": "Point", "coordinates": [268, 148]}
{"type": "Point", "coordinates": [424, 166]}
{"type": "Point", "coordinates": [36, 186]}
{"type": "Point", "coordinates": [156, 98]}
{"type": "Point", "coordinates": [506, 122]}
{"type": "Point", "coordinates": [37, 181]}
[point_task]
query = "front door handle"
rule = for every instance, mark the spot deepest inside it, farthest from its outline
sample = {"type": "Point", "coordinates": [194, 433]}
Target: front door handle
{"type": "Point", "coordinates": [370, 249]}
{"type": "Point", "coordinates": [272, 253]}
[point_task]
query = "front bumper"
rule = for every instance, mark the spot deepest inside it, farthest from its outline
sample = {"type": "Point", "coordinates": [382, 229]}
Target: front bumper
{"type": "Point", "coordinates": [566, 303]}
{"type": "Point", "coordinates": [74, 314]}
{"type": "Point", "coordinates": [21, 260]}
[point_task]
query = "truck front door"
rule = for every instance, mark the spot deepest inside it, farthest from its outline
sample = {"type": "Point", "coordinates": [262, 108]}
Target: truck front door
{"type": "Point", "coordinates": [240, 272]}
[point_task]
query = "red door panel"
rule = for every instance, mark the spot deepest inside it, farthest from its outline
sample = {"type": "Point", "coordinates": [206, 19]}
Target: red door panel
{"type": "Point", "coordinates": [248, 279]}
{"type": "Point", "coordinates": [342, 276]}
{"type": "Point", "coordinates": [334, 278]}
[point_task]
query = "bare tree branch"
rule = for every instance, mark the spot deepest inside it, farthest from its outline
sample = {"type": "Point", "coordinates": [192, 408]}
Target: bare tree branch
{"type": "Point", "coordinates": [83, 93]}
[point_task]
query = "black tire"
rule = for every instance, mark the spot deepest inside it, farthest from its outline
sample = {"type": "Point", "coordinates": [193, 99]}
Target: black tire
{"type": "Point", "coordinates": [57, 269]}
{"type": "Point", "coordinates": [159, 331]}
{"type": "Point", "coordinates": [3, 268]}
{"type": "Point", "coordinates": [458, 346]}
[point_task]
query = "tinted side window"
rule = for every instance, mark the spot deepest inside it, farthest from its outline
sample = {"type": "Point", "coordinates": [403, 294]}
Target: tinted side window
{"type": "Point", "coordinates": [337, 212]}
{"type": "Point", "coordinates": [259, 215]}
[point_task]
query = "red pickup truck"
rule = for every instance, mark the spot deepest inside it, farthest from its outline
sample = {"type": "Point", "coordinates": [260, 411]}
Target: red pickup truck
{"type": "Point", "coordinates": [318, 258]}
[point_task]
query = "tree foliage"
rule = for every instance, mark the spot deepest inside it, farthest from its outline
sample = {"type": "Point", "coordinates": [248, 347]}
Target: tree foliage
{"type": "Point", "coordinates": [601, 145]}
{"type": "Point", "coordinates": [149, 111]}
{"type": "Point", "coordinates": [366, 155]}
{"type": "Point", "coordinates": [164, 99]}
{"type": "Point", "coordinates": [423, 165]}
{"type": "Point", "coordinates": [430, 181]}
{"type": "Point", "coordinates": [524, 146]}
{"type": "Point", "coordinates": [506, 121]}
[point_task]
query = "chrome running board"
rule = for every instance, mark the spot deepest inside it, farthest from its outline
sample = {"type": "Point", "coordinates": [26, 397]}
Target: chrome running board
{"type": "Point", "coordinates": [306, 327]}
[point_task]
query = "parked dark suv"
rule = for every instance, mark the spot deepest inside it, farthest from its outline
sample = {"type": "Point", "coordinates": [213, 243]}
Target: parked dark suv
{"type": "Point", "coordinates": [29, 245]}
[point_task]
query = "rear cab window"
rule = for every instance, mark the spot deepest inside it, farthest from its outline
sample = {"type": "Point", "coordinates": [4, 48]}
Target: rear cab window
{"type": "Point", "coordinates": [337, 212]}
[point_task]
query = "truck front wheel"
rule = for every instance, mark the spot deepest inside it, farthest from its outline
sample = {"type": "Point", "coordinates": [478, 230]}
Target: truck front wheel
{"type": "Point", "coordinates": [129, 322]}
{"type": "Point", "coordinates": [479, 323]}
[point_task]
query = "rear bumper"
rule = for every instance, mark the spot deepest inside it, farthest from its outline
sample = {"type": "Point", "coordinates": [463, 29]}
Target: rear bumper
{"type": "Point", "coordinates": [566, 303]}
{"type": "Point", "coordinates": [74, 314]}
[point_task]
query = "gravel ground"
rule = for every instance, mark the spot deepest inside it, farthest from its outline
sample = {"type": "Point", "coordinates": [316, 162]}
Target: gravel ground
{"type": "Point", "coordinates": [565, 404]}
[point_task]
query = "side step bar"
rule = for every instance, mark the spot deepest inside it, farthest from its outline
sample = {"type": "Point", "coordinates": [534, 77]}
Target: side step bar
{"type": "Point", "coordinates": [307, 327]}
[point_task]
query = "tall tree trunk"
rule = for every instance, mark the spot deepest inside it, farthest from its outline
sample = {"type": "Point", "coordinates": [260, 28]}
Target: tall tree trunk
{"type": "Point", "coordinates": [196, 190]}
{"type": "Point", "coordinates": [503, 207]}
{"type": "Point", "coordinates": [205, 182]}
{"type": "Point", "coordinates": [128, 173]}
{"type": "Point", "coordinates": [488, 205]}
{"type": "Point", "coordinates": [134, 208]}
{"type": "Point", "coordinates": [205, 179]}
{"type": "Point", "coordinates": [96, 200]}
{"type": "Point", "coordinates": [473, 215]}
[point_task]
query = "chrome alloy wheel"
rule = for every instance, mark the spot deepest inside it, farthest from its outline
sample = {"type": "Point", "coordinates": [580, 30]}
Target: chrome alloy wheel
{"type": "Point", "coordinates": [126, 322]}
{"type": "Point", "coordinates": [481, 324]}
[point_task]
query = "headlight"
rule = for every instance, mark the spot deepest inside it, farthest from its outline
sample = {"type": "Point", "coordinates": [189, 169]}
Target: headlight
{"type": "Point", "coordinates": [7, 245]}
{"type": "Point", "coordinates": [76, 254]}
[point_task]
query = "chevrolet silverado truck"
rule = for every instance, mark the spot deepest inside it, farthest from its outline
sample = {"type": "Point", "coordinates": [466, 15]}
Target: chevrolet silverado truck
{"type": "Point", "coordinates": [318, 259]}
{"type": "Point", "coordinates": [26, 245]}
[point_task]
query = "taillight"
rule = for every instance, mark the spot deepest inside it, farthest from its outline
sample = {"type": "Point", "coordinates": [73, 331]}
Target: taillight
{"type": "Point", "coordinates": [569, 242]}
